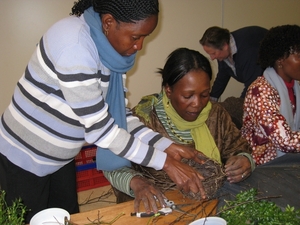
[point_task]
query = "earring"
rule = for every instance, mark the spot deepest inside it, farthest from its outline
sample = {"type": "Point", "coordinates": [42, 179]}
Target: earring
{"type": "Point", "coordinates": [168, 103]}
{"type": "Point", "coordinates": [279, 63]}
{"type": "Point", "coordinates": [105, 33]}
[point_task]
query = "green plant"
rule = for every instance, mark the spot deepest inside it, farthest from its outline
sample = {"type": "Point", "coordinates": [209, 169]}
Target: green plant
{"type": "Point", "coordinates": [13, 214]}
{"type": "Point", "coordinates": [247, 208]}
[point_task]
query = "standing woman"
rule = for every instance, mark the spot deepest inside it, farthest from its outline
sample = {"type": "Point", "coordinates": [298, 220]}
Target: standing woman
{"type": "Point", "coordinates": [71, 93]}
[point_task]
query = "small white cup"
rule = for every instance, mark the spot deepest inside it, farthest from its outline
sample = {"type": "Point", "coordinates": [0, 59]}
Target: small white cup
{"type": "Point", "coordinates": [212, 220]}
{"type": "Point", "coordinates": [51, 216]}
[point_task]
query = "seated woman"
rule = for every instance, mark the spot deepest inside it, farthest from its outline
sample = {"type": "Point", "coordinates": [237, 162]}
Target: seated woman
{"type": "Point", "coordinates": [183, 112]}
{"type": "Point", "coordinates": [271, 121]}
{"type": "Point", "coordinates": [272, 107]}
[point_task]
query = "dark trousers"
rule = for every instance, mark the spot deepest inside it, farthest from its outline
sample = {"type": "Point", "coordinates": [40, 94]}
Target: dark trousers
{"type": "Point", "coordinates": [38, 193]}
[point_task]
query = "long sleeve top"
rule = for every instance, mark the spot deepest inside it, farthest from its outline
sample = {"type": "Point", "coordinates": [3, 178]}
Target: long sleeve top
{"type": "Point", "coordinates": [264, 126]}
{"type": "Point", "coordinates": [247, 41]}
{"type": "Point", "coordinates": [59, 104]}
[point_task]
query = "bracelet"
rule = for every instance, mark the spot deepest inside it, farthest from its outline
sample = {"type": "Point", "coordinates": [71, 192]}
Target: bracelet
{"type": "Point", "coordinates": [249, 157]}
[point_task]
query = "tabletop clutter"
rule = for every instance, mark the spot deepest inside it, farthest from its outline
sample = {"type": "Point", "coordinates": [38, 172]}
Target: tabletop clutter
{"type": "Point", "coordinates": [179, 210]}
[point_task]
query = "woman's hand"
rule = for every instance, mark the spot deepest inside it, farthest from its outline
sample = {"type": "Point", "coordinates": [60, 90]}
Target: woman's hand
{"type": "Point", "coordinates": [237, 168]}
{"type": "Point", "coordinates": [178, 152]}
{"type": "Point", "coordinates": [147, 193]}
{"type": "Point", "coordinates": [184, 176]}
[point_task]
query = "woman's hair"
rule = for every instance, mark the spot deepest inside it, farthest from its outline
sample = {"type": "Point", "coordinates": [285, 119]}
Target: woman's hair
{"type": "Point", "coordinates": [182, 61]}
{"type": "Point", "coordinates": [279, 42]}
{"type": "Point", "coordinates": [215, 37]}
{"type": "Point", "coordinates": [127, 11]}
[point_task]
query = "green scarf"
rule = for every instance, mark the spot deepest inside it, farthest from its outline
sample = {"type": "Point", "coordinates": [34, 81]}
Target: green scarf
{"type": "Point", "coordinates": [204, 142]}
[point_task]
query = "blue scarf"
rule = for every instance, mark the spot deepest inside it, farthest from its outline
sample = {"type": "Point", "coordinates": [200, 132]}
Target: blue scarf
{"type": "Point", "coordinates": [115, 98]}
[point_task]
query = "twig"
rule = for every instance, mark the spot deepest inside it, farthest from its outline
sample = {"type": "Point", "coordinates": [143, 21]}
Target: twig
{"type": "Point", "coordinates": [192, 209]}
{"type": "Point", "coordinates": [68, 222]}
{"type": "Point", "coordinates": [153, 218]}
{"type": "Point", "coordinates": [90, 200]}
{"type": "Point", "coordinates": [98, 220]}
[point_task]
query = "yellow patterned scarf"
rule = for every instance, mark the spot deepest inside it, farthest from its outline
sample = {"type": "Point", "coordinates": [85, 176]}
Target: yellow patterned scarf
{"type": "Point", "coordinates": [204, 142]}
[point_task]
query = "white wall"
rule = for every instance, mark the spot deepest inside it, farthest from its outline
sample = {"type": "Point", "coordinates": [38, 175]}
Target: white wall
{"type": "Point", "coordinates": [22, 23]}
{"type": "Point", "coordinates": [181, 24]}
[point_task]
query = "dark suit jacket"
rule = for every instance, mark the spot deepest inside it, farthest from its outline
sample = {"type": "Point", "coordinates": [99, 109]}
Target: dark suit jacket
{"type": "Point", "coordinates": [247, 40]}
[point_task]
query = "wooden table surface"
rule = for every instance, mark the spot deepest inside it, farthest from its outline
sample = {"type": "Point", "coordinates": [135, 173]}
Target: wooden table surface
{"type": "Point", "coordinates": [199, 209]}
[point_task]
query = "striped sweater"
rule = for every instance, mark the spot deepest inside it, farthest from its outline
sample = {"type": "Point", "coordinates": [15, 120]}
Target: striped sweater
{"type": "Point", "coordinates": [59, 104]}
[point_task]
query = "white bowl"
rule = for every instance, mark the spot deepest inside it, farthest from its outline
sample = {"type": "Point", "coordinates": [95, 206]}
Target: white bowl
{"type": "Point", "coordinates": [212, 220]}
{"type": "Point", "coordinates": [51, 216]}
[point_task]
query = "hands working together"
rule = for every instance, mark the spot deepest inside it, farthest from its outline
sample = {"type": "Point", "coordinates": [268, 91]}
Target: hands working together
{"type": "Point", "coordinates": [184, 176]}
{"type": "Point", "coordinates": [237, 168]}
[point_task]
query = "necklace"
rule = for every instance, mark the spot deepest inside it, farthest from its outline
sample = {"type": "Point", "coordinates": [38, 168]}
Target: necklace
{"type": "Point", "coordinates": [181, 139]}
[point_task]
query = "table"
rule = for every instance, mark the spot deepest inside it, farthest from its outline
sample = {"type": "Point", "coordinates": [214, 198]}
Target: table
{"type": "Point", "coordinates": [199, 208]}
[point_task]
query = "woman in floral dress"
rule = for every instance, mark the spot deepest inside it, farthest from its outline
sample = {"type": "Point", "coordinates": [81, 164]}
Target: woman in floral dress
{"type": "Point", "coordinates": [271, 120]}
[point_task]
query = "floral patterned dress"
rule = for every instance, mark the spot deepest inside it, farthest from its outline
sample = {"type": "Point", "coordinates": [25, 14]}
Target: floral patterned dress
{"type": "Point", "coordinates": [264, 126]}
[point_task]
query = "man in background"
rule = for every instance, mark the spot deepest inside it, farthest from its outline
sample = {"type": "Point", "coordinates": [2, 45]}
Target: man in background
{"type": "Point", "coordinates": [237, 54]}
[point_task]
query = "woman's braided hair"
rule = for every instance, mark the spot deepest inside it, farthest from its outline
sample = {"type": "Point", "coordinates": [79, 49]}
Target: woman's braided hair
{"type": "Point", "coordinates": [279, 42]}
{"type": "Point", "coordinates": [127, 11]}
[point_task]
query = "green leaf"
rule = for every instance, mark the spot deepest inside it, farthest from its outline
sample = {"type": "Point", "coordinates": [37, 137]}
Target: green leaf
{"type": "Point", "coordinates": [13, 214]}
{"type": "Point", "coordinates": [248, 209]}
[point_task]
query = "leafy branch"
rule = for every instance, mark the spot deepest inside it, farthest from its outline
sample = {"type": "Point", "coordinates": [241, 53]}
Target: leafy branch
{"type": "Point", "coordinates": [245, 202]}
{"type": "Point", "coordinates": [247, 208]}
{"type": "Point", "coordinates": [13, 214]}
